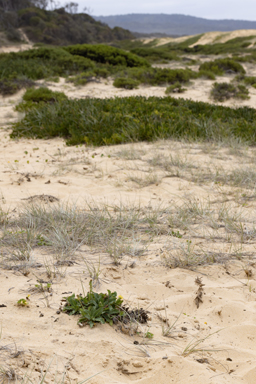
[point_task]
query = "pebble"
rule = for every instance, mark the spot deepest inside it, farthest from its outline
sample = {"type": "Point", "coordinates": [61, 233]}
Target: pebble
{"type": "Point", "coordinates": [160, 307]}
{"type": "Point", "coordinates": [137, 364]}
{"type": "Point", "coordinates": [142, 297]}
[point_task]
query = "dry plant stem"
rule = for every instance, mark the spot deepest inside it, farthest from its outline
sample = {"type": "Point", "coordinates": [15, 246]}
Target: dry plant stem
{"type": "Point", "coordinates": [194, 346]}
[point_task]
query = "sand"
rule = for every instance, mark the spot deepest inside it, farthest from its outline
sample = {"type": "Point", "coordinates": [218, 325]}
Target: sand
{"type": "Point", "coordinates": [206, 38]}
{"type": "Point", "coordinates": [213, 343]}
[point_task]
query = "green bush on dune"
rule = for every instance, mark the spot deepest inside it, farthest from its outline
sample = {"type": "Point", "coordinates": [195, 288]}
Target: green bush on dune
{"type": "Point", "coordinates": [220, 66]}
{"type": "Point", "coordinates": [107, 55]}
{"type": "Point", "coordinates": [33, 97]}
{"type": "Point", "coordinates": [133, 119]}
{"type": "Point", "coordinates": [155, 54]}
{"type": "Point", "coordinates": [248, 80]}
{"type": "Point", "coordinates": [18, 70]}
{"type": "Point", "coordinates": [127, 83]}
{"type": "Point", "coordinates": [226, 91]}
{"type": "Point", "coordinates": [158, 76]}
{"type": "Point", "coordinates": [175, 88]}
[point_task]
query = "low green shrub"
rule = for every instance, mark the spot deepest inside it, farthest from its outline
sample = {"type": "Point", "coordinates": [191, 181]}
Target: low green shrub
{"type": "Point", "coordinates": [11, 86]}
{"type": "Point", "coordinates": [127, 83]}
{"type": "Point", "coordinates": [106, 54]}
{"type": "Point", "coordinates": [159, 76]}
{"type": "Point", "coordinates": [83, 61]}
{"type": "Point", "coordinates": [225, 91]}
{"type": "Point", "coordinates": [82, 78]}
{"type": "Point", "coordinates": [17, 70]}
{"type": "Point", "coordinates": [134, 119]}
{"type": "Point", "coordinates": [32, 97]}
{"type": "Point", "coordinates": [155, 54]}
{"type": "Point", "coordinates": [220, 66]}
{"type": "Point", "coordinates": [95, 307]}
{"type": "Point", "coordinates": [206, 74]}
{"type": "Point", "coordinates": [249, 80]}
{"type": "Point", "coordinates": [175, 88]}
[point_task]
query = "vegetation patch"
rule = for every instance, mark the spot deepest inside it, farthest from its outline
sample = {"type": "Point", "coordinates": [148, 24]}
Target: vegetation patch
{"type": "Point", "coordinates": [33, 97]}
{"type": "Point", "coordinates": [159, 76]}
{"type": "Point", "coordinates": [83, 62]}
{"type": "Point", "coordinates": [133, 119]}
{"type": "Point", "coordinates": [221, 66]}
{"type": "Point", "coordinates": [156, 54]}
{"type": "Point", "coordinates": [106, 54]}
{"type": "Point", "coordinates": [95, 307]}
{"type": "Point", "coordinates": [235, 46]}
{"type": "Point", "coordinates": [127, 83]}
{"type": "Point", "coordinates": [206, 74]}
{"type": "Point", "coordinates": [175, 88]}
{"type": "Point", "coordinates": [9, 86]}
{"type": "Point", "coordinates": [225, 91]}
{"type": "Point", "coordinates": [248, 80]}
{"type": "Point", "coordinates": [61, 26]}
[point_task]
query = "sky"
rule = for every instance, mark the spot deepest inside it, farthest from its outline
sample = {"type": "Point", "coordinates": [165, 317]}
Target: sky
{"type": "Point", "coordinates": [209, 9]}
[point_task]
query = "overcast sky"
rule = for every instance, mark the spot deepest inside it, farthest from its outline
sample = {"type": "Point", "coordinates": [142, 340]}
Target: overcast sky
{"type": "Point", "coordinates": [217, 9]}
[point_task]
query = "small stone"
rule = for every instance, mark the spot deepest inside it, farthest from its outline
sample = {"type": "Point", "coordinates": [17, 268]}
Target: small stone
{"type": "Point", "coordinates": [142, 297]}
{"type": "Point", "coordinates": [137, 364]}
{"type": "Point", "coordinates": [160, 307]}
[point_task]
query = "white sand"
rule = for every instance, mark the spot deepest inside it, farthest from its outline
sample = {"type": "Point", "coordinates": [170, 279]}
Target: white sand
{"type": "Point", "coordinates": [227, 315]}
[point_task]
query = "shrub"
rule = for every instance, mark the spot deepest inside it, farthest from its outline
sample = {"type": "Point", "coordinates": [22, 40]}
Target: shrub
{"type": "Point", "coordinates": [250, 80]}
{"type": "Point", "coordinates": [107, 55]}
{"type": "Point", "coordinates": [219, 66]}
{"type": "Point", "coordinates": [159, 76]}
{"type": "Point", "coordinates": [133, 119]}
{"type": "Point", "coordinates": [225, 91]}
{"type": "Point", "coordinates": [83, 78]}
{"type": "Point", "coordinates": [18, 69]}
{"type": "Point", "coordinates": [209, 75]}
{"type": "Point", "coordinates": [33, 97]}
{"type": "Point", "coordinates": [155, 54]}
{"type": "Point", "coordinates": [127, 83]}
{"type": "Point", "coordinates": [175, 88]}
{"type": "Point", "coordinates": [11, 86]}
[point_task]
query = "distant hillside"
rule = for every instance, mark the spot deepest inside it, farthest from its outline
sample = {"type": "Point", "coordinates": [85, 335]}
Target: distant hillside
{"type": "Point", "coordinates": [57, 27]}
{"type": "Point", "coordinates": [173, 24]}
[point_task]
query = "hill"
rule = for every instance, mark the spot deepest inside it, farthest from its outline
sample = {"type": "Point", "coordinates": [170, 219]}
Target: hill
{"type": "Point", "coordinates": [173, 24]}
{"type": "Point", "coordinates": [57, 27]}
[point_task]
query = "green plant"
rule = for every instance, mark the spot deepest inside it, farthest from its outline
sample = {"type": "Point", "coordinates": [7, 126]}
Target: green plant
{"type": "Point", "coordinates": [175, 88]}
{"type": "Point", "coordinates": [127, 83]}
{"type": "Point", "coordinates": [206, 74]}
{"type": "Point", "coordinates": [94, 307]}
{"type": "Point", "coordinates": [225, 91]}
{"type": "Point", "coordinates": [22, 303]}
{"type": "Point", "coordinates": [106, 54]}
{"type": "Point", "coordinates": [32, 97]}
{"type": "Point", "coordinates": [158, 76]}
{"type": "Point", "coordinates": [134, 119]}
{"type": "Point", "coordinates": [219, 66]}
{"type": "Point", "coordinates": [43, 288]}
{"type": "Point", "coordinates": [149, 335]}
{"type": "Point", "coordinates": [155, 54]}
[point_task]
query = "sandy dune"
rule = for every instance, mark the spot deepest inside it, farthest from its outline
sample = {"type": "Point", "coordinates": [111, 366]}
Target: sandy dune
{"type": "Point", "coordinates": [205, 228]}
{"type": "Point", "coordinates": [207, 38]}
